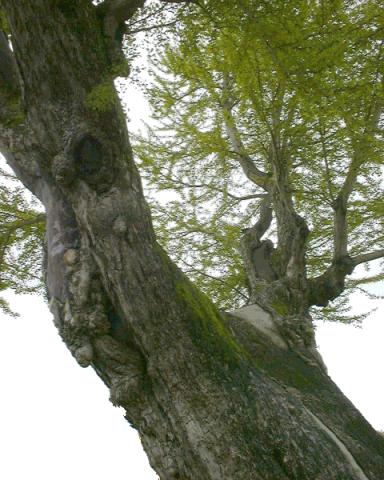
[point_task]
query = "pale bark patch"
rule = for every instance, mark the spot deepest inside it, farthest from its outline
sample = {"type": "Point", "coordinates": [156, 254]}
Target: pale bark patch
{"type": "Point", "coordinates": [261, 320]}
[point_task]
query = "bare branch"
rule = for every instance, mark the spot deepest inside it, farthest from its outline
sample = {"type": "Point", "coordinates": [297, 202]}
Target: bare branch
{"type": "Point", "coordinates": [180, 1]}
{"type": "Point", "coordinates": [192, 268]}
{"type": "Point", "coordinates": [257, 176]}
{"type": "Point", "coordinates": [178, 184]}
{"type": "Point", "coordinates": [368, 257]}
{"type": "Point", "coordinates": [148, 28]}
{"type": "Point", "coordinates": [117, 12]}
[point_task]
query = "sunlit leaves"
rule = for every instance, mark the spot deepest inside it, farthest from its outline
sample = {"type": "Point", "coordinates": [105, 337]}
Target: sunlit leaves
{"type": "Point", "coordinates": [21, 240]}
{"type": "Point", "coordinates": [305, 78]}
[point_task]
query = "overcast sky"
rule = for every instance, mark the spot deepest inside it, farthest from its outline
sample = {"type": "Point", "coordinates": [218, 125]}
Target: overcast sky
{"type": "Point", "coordinates": [55, 418]}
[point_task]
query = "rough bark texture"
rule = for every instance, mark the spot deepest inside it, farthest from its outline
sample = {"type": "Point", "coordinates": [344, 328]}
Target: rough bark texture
{"type": "Point", "coordinates": [213, 396]}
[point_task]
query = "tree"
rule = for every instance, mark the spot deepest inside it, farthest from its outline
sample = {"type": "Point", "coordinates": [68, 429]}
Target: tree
{"type": "Point", "coordinates": [223, 121]}
{"type": "Point", "coordinates": [213, 395]}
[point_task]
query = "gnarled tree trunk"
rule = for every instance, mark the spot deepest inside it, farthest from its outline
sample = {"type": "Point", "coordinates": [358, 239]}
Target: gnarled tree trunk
{"type": "Point", "coordinates": [213, 395]}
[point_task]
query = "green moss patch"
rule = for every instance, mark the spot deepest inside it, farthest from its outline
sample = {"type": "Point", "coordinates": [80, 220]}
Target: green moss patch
{"type": "Point", "coordinates": [102, 97]}
{"type": "Point", "coordinates": [207, 328]}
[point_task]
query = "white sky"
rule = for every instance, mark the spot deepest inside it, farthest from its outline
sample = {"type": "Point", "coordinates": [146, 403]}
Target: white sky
{"type": "Point", "coordinates": [55, 418]}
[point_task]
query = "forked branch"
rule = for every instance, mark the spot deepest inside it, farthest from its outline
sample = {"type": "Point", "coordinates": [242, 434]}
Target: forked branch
{"type": "Point", "coordinates": [256, 252]}
{"type": "Point", "coordinates": [331, 283]}
{"type": "Point", "coordinates": [340, 203]}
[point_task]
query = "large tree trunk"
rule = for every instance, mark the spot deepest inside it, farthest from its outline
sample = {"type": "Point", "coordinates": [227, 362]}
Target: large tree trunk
{"type": "Point", "coordinates": [213, 395]}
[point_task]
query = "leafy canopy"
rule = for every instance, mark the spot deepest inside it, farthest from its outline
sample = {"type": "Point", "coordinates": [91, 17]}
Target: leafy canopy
{"type": "Point", "coordinates": [21, 240]}
{"type": "Point", "coordinates": [304, 77]}
{"type": "Point", "coordinates": [231, 82]}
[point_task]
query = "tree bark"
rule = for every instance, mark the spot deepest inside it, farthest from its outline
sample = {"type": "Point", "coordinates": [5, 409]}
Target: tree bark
{"type": "Point", "coordinates": [213, 396]}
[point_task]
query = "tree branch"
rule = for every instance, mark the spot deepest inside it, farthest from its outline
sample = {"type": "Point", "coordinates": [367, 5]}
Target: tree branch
{"type": "Point", "coordinates": [368, 257]}
{"type": "Point", "coordinates": [180, 1]}
{"type": "Point", "coordinates": [340, 203]}
{"type": "Point", "coordinates": [265, 217]}
{"type": "Point", "coordinates": [331, 283]}
{"type": "Point", "coordinates": [212, 277]}
{"type": "Point", "coordinates": [182, 184]}
{"type": "Point", "coordinates": [132, 31]}
{"type": "Point", "coordinates": [117, 12]}
{"type": "Point", "coordinates": [258, 177]}
{"type": "Point", "coordinates": [257, 253]}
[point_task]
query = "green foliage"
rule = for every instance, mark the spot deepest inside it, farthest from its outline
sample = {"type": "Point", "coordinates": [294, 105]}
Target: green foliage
{"type": "Point", "coordinates": [102, 97]}
{"type": "Point", "coordinates": [207, 327]}
{"type": "Point", "coordinates": [21, 240]}
{"type": "Point", "coordinates": [303, 78]}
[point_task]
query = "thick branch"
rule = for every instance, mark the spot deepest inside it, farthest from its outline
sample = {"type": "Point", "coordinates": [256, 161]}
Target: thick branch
{"type": "Point", "coordinates": [368, 257]}
{"type": "Point", "coordinates": [265, 217]}
{"type": "Point", "coordinates": [9, 84]}
{"type": "Point", "coordinates": [340, 209]}
{"type": "Point", "coordinates": [180, 1]}
{"type": "Point", "coordinates": [292, 229]}
{"type": "Point", "coordinates": [341, 202]}
{"type": "Point", "coordinates": [257, 253]}
{"type": "Point", "coordinates": [18, 144]}
{"type": "Point", "coordinates": [331, 283]}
